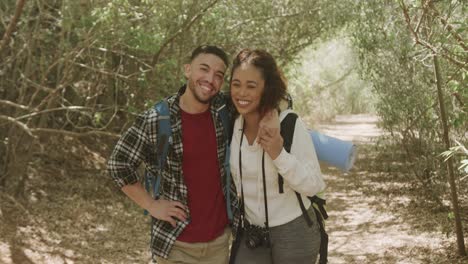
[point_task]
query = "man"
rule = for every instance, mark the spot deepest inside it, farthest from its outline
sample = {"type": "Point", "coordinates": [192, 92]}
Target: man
{"type": "Point", "coordinates": [190, 223]}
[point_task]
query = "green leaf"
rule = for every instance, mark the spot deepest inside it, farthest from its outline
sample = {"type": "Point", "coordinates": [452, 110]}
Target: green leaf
{"type": "Point", "coordinates": [97, 118]}
{"type": "Point", "coordinates": [451, 216]}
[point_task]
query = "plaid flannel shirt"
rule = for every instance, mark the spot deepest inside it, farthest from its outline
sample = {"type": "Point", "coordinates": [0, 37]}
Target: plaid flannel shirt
{"type": "Point", "coordinates": [137, 145]}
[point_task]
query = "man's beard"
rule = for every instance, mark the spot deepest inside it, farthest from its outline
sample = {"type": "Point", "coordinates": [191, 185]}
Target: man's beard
{"type": "Point", "coordinates": [191, 86]}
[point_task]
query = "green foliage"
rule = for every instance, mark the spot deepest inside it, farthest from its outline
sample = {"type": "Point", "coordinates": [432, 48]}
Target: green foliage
{"type": "Point", "coordinates": [402, 76]}
{"type": "Point", "coordinates": [459, 91]}
{"type": "Point", "coordinates": [458, 151]}
{"type": "Point", "coordinates": [451, 216]}
{"type": "Point", "coordinates": [136, 26]}
{"type": "Point", "coordinates": [115, 57]}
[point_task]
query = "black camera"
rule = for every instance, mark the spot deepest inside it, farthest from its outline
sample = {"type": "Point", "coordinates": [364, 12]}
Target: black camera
{"type": "Point", "coordinates": [256, 236]}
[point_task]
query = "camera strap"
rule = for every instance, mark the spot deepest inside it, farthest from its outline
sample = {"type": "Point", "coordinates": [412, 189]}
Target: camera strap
{"type": "Point", "coordinates": [264, 187]}
{"type": "Point", "coordinates": [265, 199]}
{"type": "Point", "coordinates": [240, 174]}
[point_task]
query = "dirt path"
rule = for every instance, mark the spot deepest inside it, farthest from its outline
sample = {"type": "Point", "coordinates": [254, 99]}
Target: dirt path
{"type": "Point", "coordinates": [363, 228]}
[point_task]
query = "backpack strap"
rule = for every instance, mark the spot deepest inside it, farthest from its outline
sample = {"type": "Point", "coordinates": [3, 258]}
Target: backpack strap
{"type": "Point", "coordinates": [287, 133]}
{"type": "Point", "coordinates": [320, 205]}
{"type": "Point", "coordinates": [152, 182]}
{"type": "Point", "coordinates": [288, 125]}
{"type": "Point", "coordinates": [164, 131]}
{"type": "Point", "coordinates": [225, 117]}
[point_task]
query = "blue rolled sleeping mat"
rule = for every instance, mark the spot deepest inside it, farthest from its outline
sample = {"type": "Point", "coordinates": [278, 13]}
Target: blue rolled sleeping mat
{"type": "Point", "coordinates": [333, 151]}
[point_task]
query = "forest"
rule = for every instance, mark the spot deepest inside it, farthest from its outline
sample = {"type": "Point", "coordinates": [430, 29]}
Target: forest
{"type": "Point", "coordinates": [74, 75]}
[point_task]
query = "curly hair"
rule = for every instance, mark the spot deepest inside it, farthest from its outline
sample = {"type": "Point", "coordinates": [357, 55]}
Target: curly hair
{"type": "Point", "coordinates": [275, 83]}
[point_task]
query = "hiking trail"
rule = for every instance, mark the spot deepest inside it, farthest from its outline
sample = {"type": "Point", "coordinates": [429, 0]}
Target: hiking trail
{"type": "Point", "coordinates": [361, 227]}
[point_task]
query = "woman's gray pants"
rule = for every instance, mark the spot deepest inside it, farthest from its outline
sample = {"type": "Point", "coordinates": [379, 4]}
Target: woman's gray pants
{"type": "Point", "coordinates": [292, 243]}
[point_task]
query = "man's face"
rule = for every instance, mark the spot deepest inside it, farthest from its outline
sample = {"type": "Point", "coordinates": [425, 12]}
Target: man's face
{"type": "Point", "coordinates": [205, 75]}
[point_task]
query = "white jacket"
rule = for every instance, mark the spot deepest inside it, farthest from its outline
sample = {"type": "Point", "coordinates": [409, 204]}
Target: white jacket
{"type": "Point", "coordinates": [300, 170]}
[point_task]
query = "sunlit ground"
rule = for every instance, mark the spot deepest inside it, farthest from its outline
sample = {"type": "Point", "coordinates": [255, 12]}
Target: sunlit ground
{"type": "Point", "coordinates": [357, 128]}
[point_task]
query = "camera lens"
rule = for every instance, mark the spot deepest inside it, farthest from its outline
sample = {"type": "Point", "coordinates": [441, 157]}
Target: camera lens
{"type": "Point", "coordinates": [253, 242]}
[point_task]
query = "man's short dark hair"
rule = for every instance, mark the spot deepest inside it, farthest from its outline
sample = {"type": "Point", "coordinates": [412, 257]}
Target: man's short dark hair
{"type": "Point", "coordinates": [207, 49]}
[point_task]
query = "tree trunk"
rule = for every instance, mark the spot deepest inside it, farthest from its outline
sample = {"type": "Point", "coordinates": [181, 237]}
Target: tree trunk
{"type": "Point", "coordinates": [453, 187]}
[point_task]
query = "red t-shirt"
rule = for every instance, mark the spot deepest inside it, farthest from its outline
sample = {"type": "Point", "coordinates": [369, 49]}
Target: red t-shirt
{"type": "Point", "coordinates": [202, 176]}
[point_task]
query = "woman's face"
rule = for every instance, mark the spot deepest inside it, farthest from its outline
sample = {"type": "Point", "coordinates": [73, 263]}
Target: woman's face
{"type": "Point", "coordinates": [247, 87]}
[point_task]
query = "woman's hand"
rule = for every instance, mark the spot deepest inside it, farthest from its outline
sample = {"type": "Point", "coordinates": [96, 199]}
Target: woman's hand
{"type": "Point", "coordinates": [269, 136]}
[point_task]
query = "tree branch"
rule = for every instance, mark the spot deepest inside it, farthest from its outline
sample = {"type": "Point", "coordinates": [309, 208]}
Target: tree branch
{"type": "Point", "coordinates": [268, 18]}
{"type": "Point", "coordinates": [342, 78]}
{"type": "Point", "coordinates": [124, 54]}
{"type": "Point", "coordinates": [104, 72]}
{"type": "Point", "coordinates": [66, 108]}
{"type": "Point", "coordinates": [10, 103]}
{"type": "Point", "coordinates": [449, 28]}
{"type": "Point", "coordinates": [74, 134]}
{"type": "Point", "coordinates": [180, 31]}
{"type": "Point", "coordinates": [421, 19]}
{"type": "Point", "coordinates": [12, 25]}
{"type": "Point", "coordinates": [36, 85]}
{"type": "Point", "coordinates": [425, 44]}
{"type": "Point", "coordinates": [21, 125]}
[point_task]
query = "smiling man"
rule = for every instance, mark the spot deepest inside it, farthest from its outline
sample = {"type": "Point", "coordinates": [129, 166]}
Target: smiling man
{"type": "Point", "coordinates": [190, 222]}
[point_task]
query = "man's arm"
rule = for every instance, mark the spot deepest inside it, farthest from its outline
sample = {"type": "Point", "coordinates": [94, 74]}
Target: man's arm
{"type": "Point", "coordinates": [133, 148]}
{"type": "Point", "coordinates": [159, 209]}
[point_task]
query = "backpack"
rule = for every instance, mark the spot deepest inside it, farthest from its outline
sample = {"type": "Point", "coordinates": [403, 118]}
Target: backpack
{"type": "Point", "coordinates": [152, 182]}
{"type": "Point", "coordinates": [288, 125]}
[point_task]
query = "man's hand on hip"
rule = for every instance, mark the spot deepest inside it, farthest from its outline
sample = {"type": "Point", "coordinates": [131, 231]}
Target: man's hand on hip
{"type": "Point", "coordinates": [168, 211]}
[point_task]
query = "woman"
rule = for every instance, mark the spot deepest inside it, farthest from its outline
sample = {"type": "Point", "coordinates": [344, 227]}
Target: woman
{"type": "Point", "coordinates": [257, 157]}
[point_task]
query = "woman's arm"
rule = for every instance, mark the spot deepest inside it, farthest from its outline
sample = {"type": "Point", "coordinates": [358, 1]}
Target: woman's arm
{"type": "Point", "coordinates": [300, 168]}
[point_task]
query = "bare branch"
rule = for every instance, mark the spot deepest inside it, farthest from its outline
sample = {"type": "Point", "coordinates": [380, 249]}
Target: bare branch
{"type": "Point", "coordinates": [342, 78]}
{"type": "Point", "coordinates": [12, 25]}
{"type": "Point", "coordinates": [21, 125]}
{"type": "Point", "coordinates": [104, 72]}
{"type": "Point", "coordinates": [10, 103]}
{"type": "Point", "coordinates": [65, 108]}
{"type": "Point", "coordinates": [180, 31]}
{"type": "Point", "coordinates": [268, 18]}
{"type": "Point", "coordinates": [36, 85]}
{"type": "Point", "coordinates": [74, 134]}
{"type": "Point", "coordinates": [294, 49]}
{"type": "Point", "coordinates": [124, 54]}
{"type": "Point", "coordinates": [421, 19]}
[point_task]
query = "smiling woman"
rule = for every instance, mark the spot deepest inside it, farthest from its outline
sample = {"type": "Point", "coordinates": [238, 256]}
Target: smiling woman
{"type": "Point", "coordinates": [273, 226]}
{"type": "Point", "coordinates": [247, 87]}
